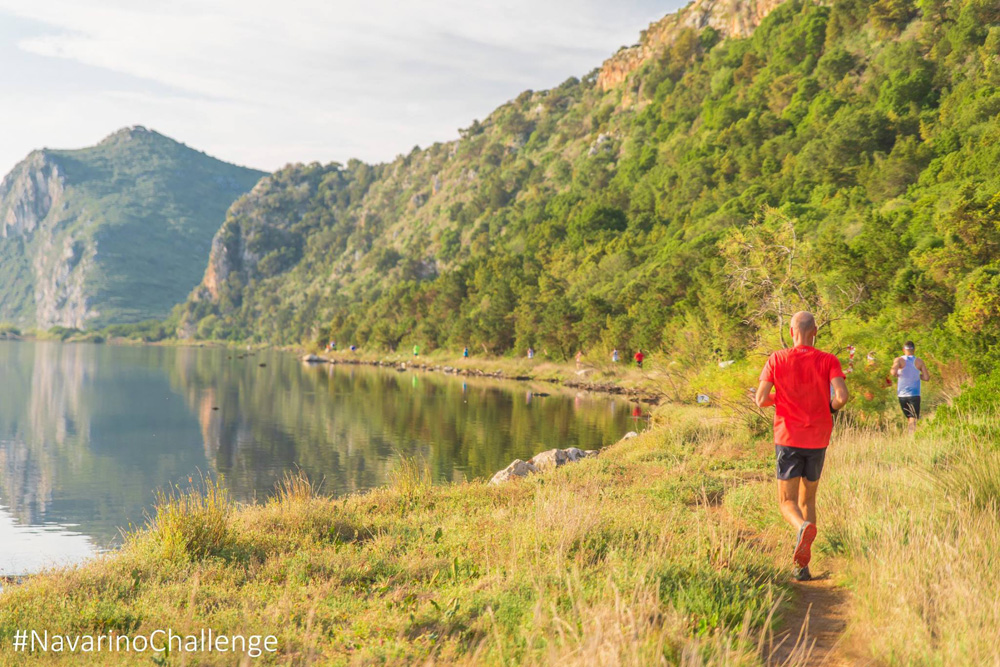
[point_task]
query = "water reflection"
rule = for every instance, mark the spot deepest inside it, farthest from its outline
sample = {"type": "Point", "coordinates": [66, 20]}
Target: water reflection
{"type": "Point", "coordinates": [29, 548]}
{"type": "Point", "coordinates": [87, 433]}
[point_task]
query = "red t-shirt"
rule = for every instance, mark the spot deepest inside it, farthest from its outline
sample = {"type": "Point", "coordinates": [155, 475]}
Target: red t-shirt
{"type": "Point", "coordinates": [801, 376]}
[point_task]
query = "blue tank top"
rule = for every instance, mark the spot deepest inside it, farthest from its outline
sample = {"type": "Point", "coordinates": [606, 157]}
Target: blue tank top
{"type": "Point", "coordinates": [909, 378]}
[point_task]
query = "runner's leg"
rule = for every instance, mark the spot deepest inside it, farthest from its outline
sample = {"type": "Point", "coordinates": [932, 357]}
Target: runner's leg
{"type": "Point", "coordinates": [807, 499]}
{"type": "Point", "coordinates": [788, 501]}
{"type": "Point", "coordinates": [911, 409]}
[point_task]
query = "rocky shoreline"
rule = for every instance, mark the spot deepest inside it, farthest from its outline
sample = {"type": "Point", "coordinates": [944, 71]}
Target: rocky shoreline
{"type": "Point", "coordinates": [548, 460]}
{"type": "Point", "coordinates": [601, 387]}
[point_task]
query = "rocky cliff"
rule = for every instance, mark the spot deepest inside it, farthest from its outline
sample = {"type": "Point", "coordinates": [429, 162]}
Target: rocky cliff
{"type": "Point", "coordinates": [731, 18]}
{"type": "Point", "coordinates": [28, 193]}
{"type": "Point", "coordinates": [113, 233]}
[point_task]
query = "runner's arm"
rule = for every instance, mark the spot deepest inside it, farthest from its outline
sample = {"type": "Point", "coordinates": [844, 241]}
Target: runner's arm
{"type": "Point", "coordinates": [764, 397]}
{"type": "Point", "coordinates": [925, 374]}
{"type": "Point", "coordinates": [840, 393]}
{"type": "Point", "coordinates": [895, 367]}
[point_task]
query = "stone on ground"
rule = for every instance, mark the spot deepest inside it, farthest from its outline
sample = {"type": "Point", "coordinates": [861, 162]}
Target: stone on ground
{"type": "Point", "coordinates": [550, 459]}
{"type": "Point", "coordinates": [516, 469]}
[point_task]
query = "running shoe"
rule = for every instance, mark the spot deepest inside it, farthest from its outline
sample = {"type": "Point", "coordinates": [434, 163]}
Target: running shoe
{"type": "Point", "coordinates": [803, 548]}
{"type": "Point", "coordinates": [801, 574]}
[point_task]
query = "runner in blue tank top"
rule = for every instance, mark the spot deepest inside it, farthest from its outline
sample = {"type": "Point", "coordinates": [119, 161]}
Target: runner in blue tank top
{"type": "Point", "coordinates": [910, 371]}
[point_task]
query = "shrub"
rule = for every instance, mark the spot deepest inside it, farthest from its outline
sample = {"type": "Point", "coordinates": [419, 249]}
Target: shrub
{"type": "Point", "coordinates": [982, 398]}
{"type": "Point", "coordinates": [194, 523]}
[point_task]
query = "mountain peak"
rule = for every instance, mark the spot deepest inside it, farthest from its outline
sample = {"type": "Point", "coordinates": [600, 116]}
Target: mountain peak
{"type": "Point", "coordinates": [81, 228]}
{"type": "Point", "coordinates": [127, 134]}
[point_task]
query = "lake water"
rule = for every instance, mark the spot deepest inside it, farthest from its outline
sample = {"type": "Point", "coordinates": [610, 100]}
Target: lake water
{"type": "Point", "coordinates": [88, 433]}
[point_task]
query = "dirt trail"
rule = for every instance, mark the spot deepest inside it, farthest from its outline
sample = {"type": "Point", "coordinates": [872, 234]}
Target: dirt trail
{"type": "Point", "coordinates": [814, 628]}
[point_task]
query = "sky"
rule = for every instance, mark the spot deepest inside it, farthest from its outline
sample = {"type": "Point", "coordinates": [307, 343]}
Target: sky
{"type": "Point", "coordinates": [263, 83]}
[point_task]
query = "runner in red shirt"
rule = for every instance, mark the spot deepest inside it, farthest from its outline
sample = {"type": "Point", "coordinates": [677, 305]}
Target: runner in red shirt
{"type": "Point", "coordinates": [803, 421]}
{"type": "Point", "coordinates": [639, 356]}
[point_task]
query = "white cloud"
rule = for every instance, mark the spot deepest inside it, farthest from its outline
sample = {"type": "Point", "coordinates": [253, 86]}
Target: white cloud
{"type": "Point", "coordinates": [264, 83]}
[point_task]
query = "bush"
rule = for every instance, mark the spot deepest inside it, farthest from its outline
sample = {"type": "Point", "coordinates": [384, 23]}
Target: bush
{"type": "Point", "coordinates": [193, 524]}
{"type": "Point", "coordinates": [149, 331]}
{"type": "Point", "coordinates": [982, 398]}
{"type": "Point", "coordinates": [61, 333]}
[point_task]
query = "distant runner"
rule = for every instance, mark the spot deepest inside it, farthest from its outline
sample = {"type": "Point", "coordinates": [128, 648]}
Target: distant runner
{"type": "Point", "coordinates": [639, 356]}
{"type": "Point", "coordinates": [803, 421]}
{"type": "Point", "coordinates": [909, 370]}
{"type": "Point", "coordinates": [614, 356]}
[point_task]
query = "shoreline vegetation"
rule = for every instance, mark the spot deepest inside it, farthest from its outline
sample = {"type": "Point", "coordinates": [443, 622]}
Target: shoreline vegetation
{"type": "Point", "coordinates": [603, 376]}
{"type": "Point", "coordinates": [667, 546]}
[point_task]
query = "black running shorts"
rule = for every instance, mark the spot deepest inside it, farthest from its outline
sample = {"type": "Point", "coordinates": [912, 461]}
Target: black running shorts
{"type": "Point", "coordinates": [911, 406]}
{"type": "Point", "coordinates": [799, 462]}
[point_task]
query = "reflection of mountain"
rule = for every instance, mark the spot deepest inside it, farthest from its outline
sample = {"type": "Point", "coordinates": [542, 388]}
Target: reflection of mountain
{"type": "Point", "coordinates": [87, 432]}
{"type": "Point", "coordinates": [348, 425]}
{"type": "Point", "coordinates": [39, 411]}
{"type": "Point", "coordinates": [81, 434]}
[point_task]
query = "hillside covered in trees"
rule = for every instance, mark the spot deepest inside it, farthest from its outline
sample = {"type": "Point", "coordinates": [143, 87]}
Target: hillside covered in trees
{"type": "Point", "coordinates": [112, 233]}
{"type": "Point", "coordinates": [841, 157]}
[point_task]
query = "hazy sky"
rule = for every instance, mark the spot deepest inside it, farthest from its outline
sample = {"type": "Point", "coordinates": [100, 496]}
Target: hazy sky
{"type": "Point", "coordinates": [264, 83]}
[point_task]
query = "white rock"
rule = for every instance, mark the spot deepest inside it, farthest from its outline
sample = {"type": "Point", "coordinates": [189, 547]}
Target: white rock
{"type": "Point", "coordinates": [516, 469]}
{"type": "Point", "coordinates": [630, 435]}
{"type": "Point", "coordinates": [591, 453]}
{"type": "Point", "coordinates": [574, 454]}
{"type": "Point", "coordinates": [550, 459]}
{"type": "Point", "coordinates": [313, 359]}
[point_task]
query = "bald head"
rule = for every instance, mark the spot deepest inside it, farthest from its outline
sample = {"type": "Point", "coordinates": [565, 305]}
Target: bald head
{"type": "Point", "coordinates": [803, 328]}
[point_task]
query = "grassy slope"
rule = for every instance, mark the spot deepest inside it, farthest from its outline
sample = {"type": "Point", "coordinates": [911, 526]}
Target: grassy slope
{"type": "Point", "coordinates": [558, 566]}
{"type": "Point", "coordinates": [912, 526]}
{"type": "Point", "coordinates": [668, 544]}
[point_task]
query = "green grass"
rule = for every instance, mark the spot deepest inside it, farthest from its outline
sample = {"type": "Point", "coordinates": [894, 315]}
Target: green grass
{"type": "Point", "coordinates": [608, 557]}
{"type": "Point", "coordinates": [667, 547]}
{"type": "Point", "coordinates": [914, 526]}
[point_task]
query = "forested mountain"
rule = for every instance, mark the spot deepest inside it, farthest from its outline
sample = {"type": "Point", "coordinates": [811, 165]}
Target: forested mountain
{"type": "Point", "coordinates": [686, 196]}
{"type": "Point", "coordinates": [114, 233]}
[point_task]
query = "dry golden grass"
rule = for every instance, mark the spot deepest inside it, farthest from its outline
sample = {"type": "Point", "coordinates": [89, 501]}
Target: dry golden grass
{"type": "Point", "coordinates": [914, 524]}
{"type": "Point", "coordinates": [624, 559]}
{"type": "Point", "coordinates": [667, 548]}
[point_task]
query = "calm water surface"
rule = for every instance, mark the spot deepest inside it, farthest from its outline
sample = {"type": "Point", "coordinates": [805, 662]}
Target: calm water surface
{"type": "Point", "coordinates": [88, 433]}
